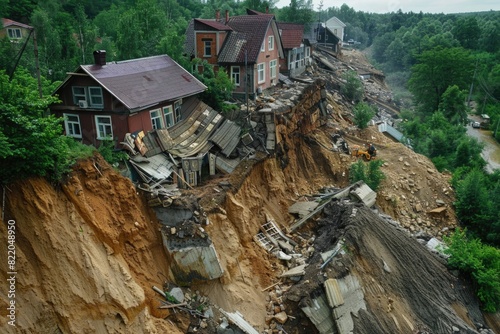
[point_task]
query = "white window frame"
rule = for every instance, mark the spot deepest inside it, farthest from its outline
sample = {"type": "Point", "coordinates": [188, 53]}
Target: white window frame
{"type": "Point", "coordinates": [14, 33]}
{"type": "Point", "coordinates": [71, 124]}
{"type": "Point", "coordinates": [156, 119]}
{"type": "Point", "coordinates": [261, 72]}
{"type": "Point", "coordinates": [80, 96]}
{"type": "Point", "coordinates": [96, 99]}
{"type": "Point", "coordinates": [270, 43]}
{"type": "Point", "coordinates": [205, 45]}
{"type": "Point", "coordinates": [272, 68]}
{"type": "Point", "coordinates": [263, 47]}
{"type": "Point", "coordinates": [177, 110]}
{"type": "Point", "coordinates": [236, 75]}
{"type": "Point", "coordinates": [168, 112]}
{"type": "Point", "coordinates": [107, 128]}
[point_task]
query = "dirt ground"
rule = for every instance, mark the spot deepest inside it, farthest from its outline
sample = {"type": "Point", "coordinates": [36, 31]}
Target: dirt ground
{"type": "Point", "coordinates": [90, 250]}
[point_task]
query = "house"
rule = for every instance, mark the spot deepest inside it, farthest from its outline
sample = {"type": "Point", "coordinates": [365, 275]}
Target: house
{"type": "Point", "coordinates": [248, 47]}
{"type": "Point", "coordinates": [105, 101]}
{"type": "Point", "coordinates": [297, 50]}
{"type": "Point", "coordinates": [15, 31]}
{"type": "Point", "coordinates": [336, 27]}
{"type": "Point", "coordinates": [325, 37]}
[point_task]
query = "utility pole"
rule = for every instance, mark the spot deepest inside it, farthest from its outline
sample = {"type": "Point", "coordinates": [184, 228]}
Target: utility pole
{"type": "Point", "coordinates": [472, 85]}
{"type": "Point", "coordinates": [37, 64]}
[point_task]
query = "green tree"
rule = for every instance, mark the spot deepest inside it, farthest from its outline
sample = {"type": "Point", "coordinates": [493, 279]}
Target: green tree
{"type": "Point", "coordinates": [352, 87]}
{"type": "Point", "coordinates": [32, 144]}
{"type": "Point", "coordinates": [299, 11]}
{"type": "Point", "coordinates": [453, 106]}
{"type": "Point", "coordinates": [472, 203]}
{"type": "Point", "coordinates": [369, 173]}
{"type": "Point", "coordinates": [467, 31]}
{"type": "Point", "coordinates": [363, 113]}
{"type": "Point", "coordinates": [435, 71]}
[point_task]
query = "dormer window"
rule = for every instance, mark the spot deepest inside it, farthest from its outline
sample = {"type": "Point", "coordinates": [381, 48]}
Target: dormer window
{"type": "Point", "coordinates": [14, 33]}
{"type": "Point", "coordinates": [207, 48]}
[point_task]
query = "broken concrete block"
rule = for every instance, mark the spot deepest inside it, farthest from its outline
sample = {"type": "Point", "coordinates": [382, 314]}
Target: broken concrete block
{"type": "Point", "coordinates": [281, 317]}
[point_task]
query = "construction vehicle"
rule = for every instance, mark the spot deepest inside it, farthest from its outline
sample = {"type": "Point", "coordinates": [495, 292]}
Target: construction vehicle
{"type": "Point", "coordinates": [367, 153]}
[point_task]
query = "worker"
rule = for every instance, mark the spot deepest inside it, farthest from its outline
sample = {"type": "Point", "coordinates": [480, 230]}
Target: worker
{"type": "Point", "coordinates": [372, 150]}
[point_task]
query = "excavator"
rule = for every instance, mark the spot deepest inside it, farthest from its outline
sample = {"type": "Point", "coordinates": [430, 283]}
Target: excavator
{"type": "Point", "coordinates": [367, 153]}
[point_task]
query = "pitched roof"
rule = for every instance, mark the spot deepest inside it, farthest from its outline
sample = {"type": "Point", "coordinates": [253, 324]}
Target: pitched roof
{"type": "Point", "coordinates": [291, 34]}
{"type": "Point", "coordinates": [201, 24]}
{"type": "Point", "coordinates": [334, 21]}
{"type": "Point", "coordinates": [7, 23]}
{"type": "Point", "coordinates": [143, 82]}
{"type": "Point", "coordinates": [211, 23]}
{"type": "Point", "coordinates": [248, 35]}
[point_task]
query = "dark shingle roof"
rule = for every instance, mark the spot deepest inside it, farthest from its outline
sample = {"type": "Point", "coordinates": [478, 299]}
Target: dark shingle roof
{"type": "Point", "coordinates": [139, 83]}
{"type": "Point", "coordinates": [291, 34]}
{"type": "Point", "coordinates": [248, 34]}
{"type": "Point", "coordinates": [213, 24]}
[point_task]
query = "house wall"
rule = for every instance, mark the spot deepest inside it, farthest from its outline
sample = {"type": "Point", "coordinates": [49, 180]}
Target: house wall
{"type": "Point", "coordinates": [24, 32]}
{"type": "Point", "coordinates": [266, 57]}
{"type": "Point", "coordinates": [217, 38]}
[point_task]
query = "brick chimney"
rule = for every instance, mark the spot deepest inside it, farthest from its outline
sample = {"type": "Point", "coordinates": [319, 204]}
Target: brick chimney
{"type": "Point", "coordinates": [100, 57]}
{"type": "Point", "coordinates": [227, 16]}
{"type": "Point", "coordinates": [217, 15]}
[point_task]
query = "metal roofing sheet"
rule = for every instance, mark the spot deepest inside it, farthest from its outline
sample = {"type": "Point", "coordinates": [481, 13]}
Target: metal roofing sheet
{"type": "Point", "coordinates": [158, 166]}
{"type": "Point", "coordinates": [384, 127]}
{"type": "Point", "coordinates": [139, 83]}
{"type": "Point", "coordinates": [237, 319]}
{"type": "Point", "coordinates": [320, 315]}
{"type": "Point", "coordinates": [333, 293]}
{"type": "Point", "coordinates": [227, 137]}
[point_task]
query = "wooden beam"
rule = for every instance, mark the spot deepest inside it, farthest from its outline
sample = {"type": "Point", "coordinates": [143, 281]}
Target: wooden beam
{"type": "Point", "coordinates": [80, 74]}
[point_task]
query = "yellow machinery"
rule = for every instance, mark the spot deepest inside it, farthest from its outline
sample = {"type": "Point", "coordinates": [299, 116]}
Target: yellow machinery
{"type": "Point", "coordinates": [367, 154]}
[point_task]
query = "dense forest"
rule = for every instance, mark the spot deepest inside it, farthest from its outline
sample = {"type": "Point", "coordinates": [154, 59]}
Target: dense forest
{"type": "Point", "coordinates": [442, 67]}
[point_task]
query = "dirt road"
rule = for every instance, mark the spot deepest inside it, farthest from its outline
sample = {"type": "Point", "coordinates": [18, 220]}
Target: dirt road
{"type": "Point", "coordinates": [491, 151]}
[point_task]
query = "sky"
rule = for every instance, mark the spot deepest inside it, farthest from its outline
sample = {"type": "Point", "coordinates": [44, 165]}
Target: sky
{"type": "Point", "coordinates": [426, 6]}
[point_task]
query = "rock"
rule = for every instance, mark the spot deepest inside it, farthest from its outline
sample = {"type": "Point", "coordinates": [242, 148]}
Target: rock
{"type": "Point", "coordinates": [177, 294]}
{"type": "Point", "coordinates": [281, 317]}
{"type": "Point", "coordinates": [203, 324]}
{"type": "Point", "coordinates": [173, 230]}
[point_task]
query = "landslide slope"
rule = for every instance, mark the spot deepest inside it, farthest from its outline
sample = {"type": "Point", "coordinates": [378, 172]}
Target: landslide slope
{"type": "Point", "coordinates": [87, 254]}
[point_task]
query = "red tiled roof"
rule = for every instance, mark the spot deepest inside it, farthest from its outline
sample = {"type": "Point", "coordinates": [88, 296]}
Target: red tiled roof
{"type": "Point", "coordinates": [139, 83]}
{"type": "Point", "coordinates": [7, 23]}
{"type": "Point", "coordinates": [292, 34]}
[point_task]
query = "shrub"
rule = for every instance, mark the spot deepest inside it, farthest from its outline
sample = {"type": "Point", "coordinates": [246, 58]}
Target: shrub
{"type": "Point", "coordinates": [369, 172]}
{"type": "Point", "coordinates": [478, 261]}
{"type": "Point", "coordinates": [353, 87]}
{"type": "Point", "coordinates": [363, 113]}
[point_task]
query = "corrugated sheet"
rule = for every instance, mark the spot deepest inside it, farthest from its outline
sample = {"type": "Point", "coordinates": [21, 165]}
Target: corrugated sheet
{"type": "Point", "coordinates": [353, 302]}
{"type": "Point", "coordinates": [384, 127]}
{"type": "Point", "coordinates": [159, 167]}
{"type": "Point", "coordinates": [227, 137]}
{"type": "Point", "coordinates": [226, 165]}
{"type": "Point", "coordinates": [333, 293]}
{"type": "Point", "coordinates": [190, 136]}
{"type": "Point", "coordinates": [237, 319]}
{"type": "Point", "coordinates": [320, 315]}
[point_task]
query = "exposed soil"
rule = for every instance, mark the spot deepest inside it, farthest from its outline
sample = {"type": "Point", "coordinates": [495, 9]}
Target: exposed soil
{"type": "Point", "coordinates": [89, 252]}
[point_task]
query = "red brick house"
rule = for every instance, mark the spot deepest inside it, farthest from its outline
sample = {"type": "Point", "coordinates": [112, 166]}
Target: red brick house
{"type": "Point", "coordinates": [104, 101]}
{"type": "Point", "coordinates": [247, 46]}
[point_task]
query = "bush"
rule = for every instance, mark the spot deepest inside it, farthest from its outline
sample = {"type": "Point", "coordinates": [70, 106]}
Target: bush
{"type": "Point", "coordinates": [370, 173]}
{"type": "Point", "coordinates": [108, 152]}
{"type": "Point", "coordinates": [353, 87]}
{"type": "Point", "coordinates": [478, 261]}
{"type": "Point", "coordinates": [363, 113]}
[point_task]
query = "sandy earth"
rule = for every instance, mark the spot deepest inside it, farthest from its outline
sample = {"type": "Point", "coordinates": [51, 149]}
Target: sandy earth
{"type": "Point", "coordinates": [88, 252]}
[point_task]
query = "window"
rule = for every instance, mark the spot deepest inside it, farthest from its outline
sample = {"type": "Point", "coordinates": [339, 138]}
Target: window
{"type": "Point", "coordinates": [308, 52]}
{"type": "Point", "coordinates": [261, 74]}
{"type": "Point", "coordinates": [177, 109]}
{"type": "Point", "coordinates": [96, 100]}
{"type": "Point", "coordinates": [79, 94]}
{"type": "Point", "coordinates": [207, 48]}
{"type": "Point", "coordinates": [235, 75]}
{"type": "Point", "coordinates": [72, 125]}
{"type": "Point", "coordinates": [271, 43]}
{"type": "Point", "coordinates": [156, 119]}
{"type": "Point", "coordinates": [169, 116]}
{"type": "Point", "coordinates": [14, 33]}
{"type": "Point", "coordinates": [272, 68]}
{"type": "Point", "coordinates": [103, 126]}
{"type": "Point", "coordinates": [262, 47]}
